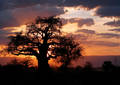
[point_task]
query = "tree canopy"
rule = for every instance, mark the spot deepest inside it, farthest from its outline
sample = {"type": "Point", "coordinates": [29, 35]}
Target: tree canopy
{"type": "Point", "coordinates": [44, 39]}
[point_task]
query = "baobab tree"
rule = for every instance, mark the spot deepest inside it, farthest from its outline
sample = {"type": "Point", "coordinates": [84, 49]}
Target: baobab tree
{"type": "Point", "coordinates": [41, 39]}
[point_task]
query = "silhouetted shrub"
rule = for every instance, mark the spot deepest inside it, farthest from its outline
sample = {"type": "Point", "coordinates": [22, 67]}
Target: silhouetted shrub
{"type": "Point", "coordinates": [19, 66]}
{"type": "Point", "coordinates": [108, 66]}
{"type": "Point", "coordinates": [88, 67]}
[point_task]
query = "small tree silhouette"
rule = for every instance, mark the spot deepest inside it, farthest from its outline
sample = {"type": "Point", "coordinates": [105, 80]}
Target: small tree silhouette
{"type": "Point", "coordinates": [44, 40]}
{"type": "Point", "coordinates": [108, 66]}
{"type": "Point", "coordinates": [88, 66]}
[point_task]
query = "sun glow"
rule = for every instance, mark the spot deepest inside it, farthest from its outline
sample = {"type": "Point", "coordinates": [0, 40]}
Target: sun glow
{"type": "Point", "coordinates": [55, 62]}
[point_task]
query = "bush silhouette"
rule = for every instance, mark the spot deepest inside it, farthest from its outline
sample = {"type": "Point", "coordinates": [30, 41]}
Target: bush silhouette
{"type": "Point", "coordinates": [108, 66]}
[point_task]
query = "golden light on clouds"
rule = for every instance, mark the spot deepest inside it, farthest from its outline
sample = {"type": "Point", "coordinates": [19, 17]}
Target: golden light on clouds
{"type": "Point", "coordinates": [70, 28]}
{"type": "Point", "coordinates": [16, 29]}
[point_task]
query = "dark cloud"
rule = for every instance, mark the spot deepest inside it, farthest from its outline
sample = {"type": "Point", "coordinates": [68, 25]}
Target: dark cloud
{"type": "Point", "coordinates": [12, 4]}
{"type": "Point", "coordinates": [64, 21]}
{"type": "Point", "coordinates": [80, 21]}
{"type": "Point", "coordinates": [78, 37]}
{"type": "Point", "coordinates": [86, 31]}
{"type": "Point", "coordinates": [82, 35]}
{"type": "Point", "coordinates": [87, 22]}
{"type": "Point", "coordinates": [19, 16]}
{"type": "Point", "coordinates": [106, 7]}
{"type": "Point", "coordinates": [4, 35]}
{"type": "Point", "coordinates": [83, 39]}
{"type": "Point", "coordinates": [108, 11]}
{"type": "Point", "coordinates": [116, 30]}
{"type": "Point", "coordinates": [109, 35]}
{"type": "Point", "coordinates": [70, 3]}
{"type": "Point", "coordinates": [7, 19]}
{"type": "Point", "coordinates": [113, 23]}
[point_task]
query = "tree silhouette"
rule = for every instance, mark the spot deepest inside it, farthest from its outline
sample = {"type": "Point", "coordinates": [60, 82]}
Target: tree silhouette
{"type": "Point", "coordinates": [68, 49]}
{"type": "Point", "coordinates": [44, 40]}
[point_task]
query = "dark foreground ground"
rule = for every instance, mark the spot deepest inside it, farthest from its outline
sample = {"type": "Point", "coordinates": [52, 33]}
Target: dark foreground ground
{"type": "Point", "coordinates": [20, 74]}
{"type": "Point", "coordinates": [54, 78]}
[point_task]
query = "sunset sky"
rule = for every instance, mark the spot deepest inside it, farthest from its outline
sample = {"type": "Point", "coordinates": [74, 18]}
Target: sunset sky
{"type": "Point", "coordinates": [93, 23]}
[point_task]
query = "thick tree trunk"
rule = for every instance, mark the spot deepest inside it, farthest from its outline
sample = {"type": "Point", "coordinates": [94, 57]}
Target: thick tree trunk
{"type": "Point", "coordinates": [43, 65]}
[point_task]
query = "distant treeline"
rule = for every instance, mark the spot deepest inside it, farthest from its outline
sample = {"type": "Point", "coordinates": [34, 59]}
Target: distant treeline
{"type": "Point", "coordinates": [26, 65]}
